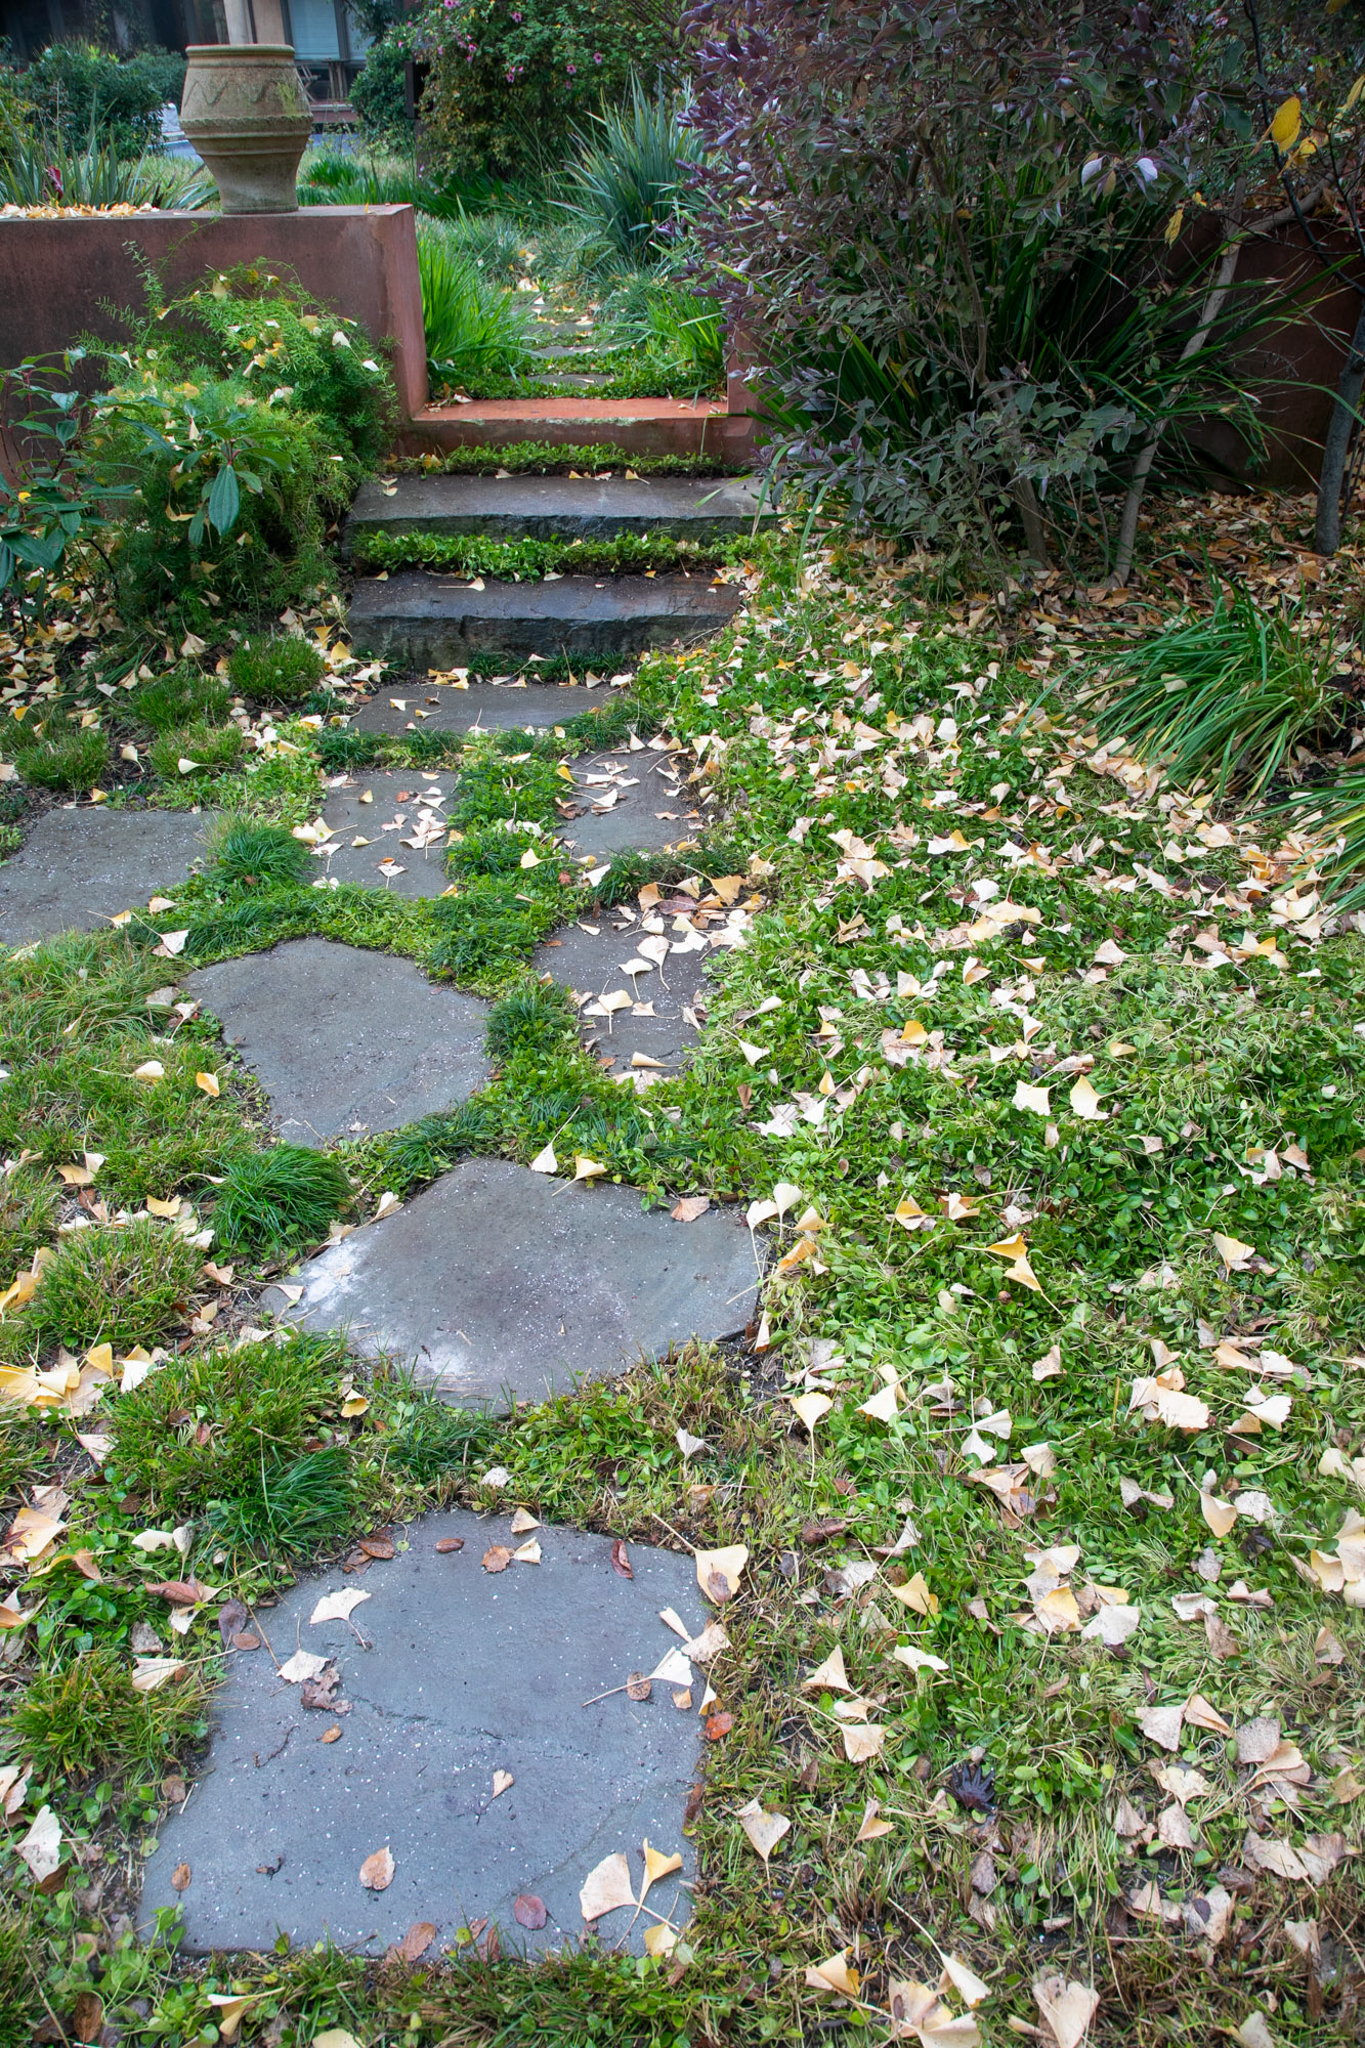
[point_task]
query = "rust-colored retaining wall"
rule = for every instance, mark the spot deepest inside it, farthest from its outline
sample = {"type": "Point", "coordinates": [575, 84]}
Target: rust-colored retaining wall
{"type": "Point", "coordinates": [57, 276]}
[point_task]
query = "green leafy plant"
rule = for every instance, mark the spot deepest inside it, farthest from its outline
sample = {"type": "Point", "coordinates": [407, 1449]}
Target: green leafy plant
{"type": "Point", "coordinates": [473, 554]}
{"type": "Point", "coordinates": [628, 185]}
{"type": "Point", "coordinates": [475, 327]}
{"type": "Point", "coordinates": [1225, 697]}
{"type": "Point", "coordinates": [65, 758]}
{"type": "Point", "coordinates": [283, 669]}
{"type": "Point", "coordinates": [207, 748]}
{"type": "Point", "coordinates": [252, 856]}
{"type": "Point", "coordinates": [52, 505]}
{"type": "Point", "coordinates": [1333, 813]}
{"type": "Point", "coordinates": [123, 1286]}
{"type": "Point", "coordinates": [78, 87]}
{"type": "Point", "coordinates": [285, 1196]}
{"type": "Point", "coordinates": [42, 166]}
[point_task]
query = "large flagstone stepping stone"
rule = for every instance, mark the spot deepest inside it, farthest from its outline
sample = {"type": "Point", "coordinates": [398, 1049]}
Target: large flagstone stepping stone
{"type": "Point", "coordinates": [501, 1283]}
{"type": "Point", "coordinates": [654, 1032]}
{"type": "Point", "coordinates": [626, 801]}
{"type": "Point", "coordinates": [345, 1041]}
{"type": "Point", "coordinates": [451, 1674]}
{"type": "Point", "coordinates": [77, 869]}
{"type": "Point", "coordinates": [404, 818]}
{"type": "Point", "coordinates": [425, 705]}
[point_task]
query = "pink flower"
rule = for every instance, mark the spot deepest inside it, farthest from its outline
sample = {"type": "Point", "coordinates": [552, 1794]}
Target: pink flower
{"type": "Point", "coordinates": [572, 68]}
{"type": "Point", "coordinates": [597, 56]}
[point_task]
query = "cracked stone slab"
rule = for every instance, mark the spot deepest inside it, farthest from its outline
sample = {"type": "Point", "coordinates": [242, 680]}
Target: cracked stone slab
{"type": "Point", "coordinates": [345, 1041]}
{"type": "Point", "coordinates": [655, 1033]}
{"type": "Point", "coordinates": [404, 818]}
{"type": "Point", "coordinates": [625, 800]}
{"type": "Point", "coordinates": [504, 1284]}
{"type": "Point", "coordinates": [77, 869]}
{"type": "Point", "coordinates": [451, 1673]}
{"type": "Point", "coordinates": [560, 507]}
{"type": "Point", "coordinates": [488, 707]}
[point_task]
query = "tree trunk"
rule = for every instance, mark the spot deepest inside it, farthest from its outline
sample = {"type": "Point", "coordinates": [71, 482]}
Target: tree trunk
{"type": "Point", "coordinates": [1336, 447]}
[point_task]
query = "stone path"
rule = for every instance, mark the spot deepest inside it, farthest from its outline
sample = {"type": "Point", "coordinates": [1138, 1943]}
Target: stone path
{"type": "Point", "coordinates": [345, 1041]}
{"type": "Point", "coordinates": [502, 1284]}
{"type": "Point", "coordinates": [460, 1724]}
{"type": "Point", "coordinates": [451, 1681]}
{"type": "Point", "coordinates": [559, 507]}
{"type": "Point", "coordinates": [77, 869]}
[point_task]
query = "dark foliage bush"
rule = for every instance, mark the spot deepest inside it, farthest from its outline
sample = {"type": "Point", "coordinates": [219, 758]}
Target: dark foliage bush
{"type": "Point", "coordinates": [79, 89]}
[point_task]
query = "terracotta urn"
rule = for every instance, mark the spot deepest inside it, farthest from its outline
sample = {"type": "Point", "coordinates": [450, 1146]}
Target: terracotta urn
{"type": "Point", "coordinates": [248, 116]}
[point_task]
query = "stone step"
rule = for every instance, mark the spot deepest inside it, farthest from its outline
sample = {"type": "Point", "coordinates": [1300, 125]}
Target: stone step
{"type": "Point", "coordinates": [559, 507]}
{"type": "Point", "coordinates": [642, 426]}
{"type": "Point", "coordinates": [422, 620]}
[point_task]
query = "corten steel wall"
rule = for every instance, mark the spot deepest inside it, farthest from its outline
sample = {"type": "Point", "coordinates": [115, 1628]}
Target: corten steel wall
{"type": "Point", "coordinates": [59, 277]}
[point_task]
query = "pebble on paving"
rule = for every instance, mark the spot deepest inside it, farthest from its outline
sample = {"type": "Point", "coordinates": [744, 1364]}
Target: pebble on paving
{"type": "Point", "coordinates": [500, 1283]}
{"type": "Point", "coordinates": [453, 1719]}
{"type": "Point", "coordinates": [345, 1041]}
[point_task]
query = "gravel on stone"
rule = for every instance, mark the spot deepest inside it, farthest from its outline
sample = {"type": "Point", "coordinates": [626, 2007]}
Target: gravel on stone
{"type": "Point", "coordinates": [503, 1284]}
{"type": "Point", "coordinates": [447, 1673]}
{"type": "Point", "coordinates": [78, 868]}
{"type": "Point", "coordinates": [425, 704]}
{"type": "Point", "coordinates": [388, 831]}
{"type": "Point", "coordinates": [345, 1041]}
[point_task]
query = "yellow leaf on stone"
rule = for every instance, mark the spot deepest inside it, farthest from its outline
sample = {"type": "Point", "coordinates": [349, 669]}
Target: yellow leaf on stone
{"type": "Point", "coordinates": [606, 1888]}
{"type": "Point", "coordinates": [586, 1169]}
{"type": "Point", "coordinates": [657, 1865]}
{"type": "Point", "coordinates": [545, 1161]}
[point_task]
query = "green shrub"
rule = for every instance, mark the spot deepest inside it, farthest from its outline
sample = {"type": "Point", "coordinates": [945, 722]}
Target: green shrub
{"type": "Point", "coordinates": [254, 855]}
{"type": "Point", "coordinates": [257, 1472]}
{"type": "Point", "coordinates": [380, 94]}
{"type": "Point", "coordinates": [475, 327]}
{"type": "Point", "coordinates": [65, 759]}
{"type": "Point", "coordinates": [1227, 696]}
{"type": "Point", "coordinates": [505, 84]}
{"type": "Point", "coordinates": [628, 185]}
{"type": "Point", "coordinates": [76, 88]}
{"type": "Point", "coordinates": [270, 1201]}
{"type": "Point", "coordinates": [281, 670]}
{"type": "Point", "coordinates": [123, 1286]}
{"type": "Point", "coordinates": [184, 697]}
{"type": "Point", "coordinates": [210, 747]}
{"type": "Point", "coordinates": [81, 1718]}
{"type": "Point", "coordinates": [43, 164]}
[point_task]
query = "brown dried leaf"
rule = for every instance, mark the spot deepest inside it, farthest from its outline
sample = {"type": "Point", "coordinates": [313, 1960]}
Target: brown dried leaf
{"type": "Point", "coordinates": [497, 1558]}
{"type": "Point", "coordinates": [376, 1872]}
{"type": "Point", "coordinates": [529, 1911]}
{"type": "Point", "coordinates": [620, 1560]}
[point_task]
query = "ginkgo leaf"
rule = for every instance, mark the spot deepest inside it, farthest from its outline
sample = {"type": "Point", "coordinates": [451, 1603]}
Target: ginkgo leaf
{"type": "Point", "coordinates": [1085, 1102]}
{"type": "Point", "coordinates": [970, 1988]}
{"type": "Point", "coordinates": [719, 1571]}
{"type": "Point", "coordinates": [918, 1660]}
{"type": "Point", "coordinates": [587, 1169]}
{"type": "Point", "coordinates": [606, 1888]}
{"type": "Point", "coordinates": [785, 1194]}
{"type": "Point", "coordinates": [830, 1674]}
{"type": "Point", "coordinates": [208, 1083]}
{"type": "Point", "coordinates": [765, 1830]}
{"type": "Point", "coordinates": [303, 1664]}
{"type": "Point", "coordinates": [1068, 2008]}
{"type": "Point", "coordinates": [150, 1070]}
{"type": "Point", "coordinates": [916, 1595]}
{"type": "Point", "coordinates": [881, 1406]}
{"type": "Point", "coordinates": [871, 1827]}
{"type": "Point", "coordinates": [1221, 1515]}
{"type": "Point", "coordinates": [657, 1864]}
{"type": "Point", "coordinates": [545, 1161]}
{"type": "Point", "coordinates": [810, 1408]}
{"type": "Point", "coordinates": [1235, 1255]}
{"type": "Point", "coordinates": [1284, 128]}
{"type": "Point", "coordinates": [862, 1742]}
{"type": "Point", "coordinates": [834, 1974]}
{"type": "Point", "coordinates": [338, 1606]}
{"type": "Point", "coordinates": [1036, 1099]}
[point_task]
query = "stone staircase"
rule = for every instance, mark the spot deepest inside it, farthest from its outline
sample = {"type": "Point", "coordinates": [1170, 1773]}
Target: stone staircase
{"type": "Point", "coordinates": [416, 618]}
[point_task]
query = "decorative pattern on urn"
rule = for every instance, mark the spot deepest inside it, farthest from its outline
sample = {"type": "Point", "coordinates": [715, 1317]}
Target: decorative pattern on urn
{"type": "Point", "coordinates": [247, 114]}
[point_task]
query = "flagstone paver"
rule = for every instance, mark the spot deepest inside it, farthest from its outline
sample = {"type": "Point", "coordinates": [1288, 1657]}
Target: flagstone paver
{"type": "Point", "coordinates": [345, 1041]}
{"type": "Point", "coordinates": [421, 704]}
{"type": "Point", "coordinates": [503, 1283]}
{"type": "Point", "coordinates": [662, 1020]}
{"type": "Point", "coordinates": [423, 619]}
{"type": "Point", "coordinates": [77, 869]}
{"type": "Point", "coordinates": [450, 1673]}
{"type": "Point", "coordinates": [626, 800]}
{"type": "Point", "coordinates": [560, 507]}
{"type": "Point", "coordinates": [403, 817]}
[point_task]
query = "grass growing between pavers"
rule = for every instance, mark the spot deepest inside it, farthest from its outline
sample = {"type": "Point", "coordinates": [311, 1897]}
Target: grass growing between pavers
{"type": "Point", "coordinates": [1000, 1146]}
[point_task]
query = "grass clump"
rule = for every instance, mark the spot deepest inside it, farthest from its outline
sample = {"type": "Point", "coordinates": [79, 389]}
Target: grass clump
{"type": "Point", "coordinates": [123, 1286]}
{"type": "Point", "coordinates": [28, 1217]}
{"type": "Point", "coordinates": [261, 1477]}
{"type": "Point", "coordinates": [428, 1439]}
{"type": "Point", "coordinates": [1227, 697]}
{"type": "Point", "coordinates": [207, 748]}
{"type": "Point", "coordinates": [535, 1018]}
{"type": "Point", "coordinates": [472, 554]}
{"type": "Point", "coordinates": [284, 669]}
{"type": "Point", "coordinates": [550, 458]}
{"type": "Point", "coordinates": [475, 327]}
{"type": "Point", "coordinates": [81, 1717]}
{"type": "Point", "coordinates": [65, 760]}
{"type": "Point", "coordinates": [270, 1201]}
{"type": "Point", "coordinates": [254, 856]}
{"type": "Point", "coordinates": [184, 697]}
